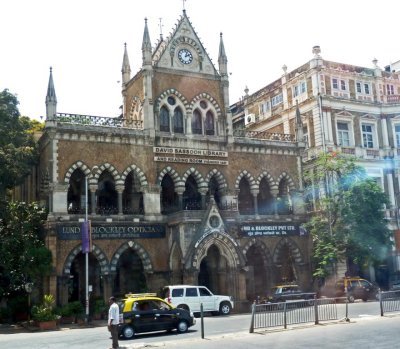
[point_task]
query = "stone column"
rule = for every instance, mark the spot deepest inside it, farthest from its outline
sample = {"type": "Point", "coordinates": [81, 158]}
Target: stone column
{"type": "Point", "coordinates": [255, 192]}
{"type": "Point", "coordinates": [120, 190]}
{"type": "Point", "coordinates": [93, 189]}
{"type": "Point", "coordinates": [179, 191]}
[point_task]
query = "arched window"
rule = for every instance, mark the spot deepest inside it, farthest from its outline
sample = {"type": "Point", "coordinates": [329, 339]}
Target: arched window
{"type": "Point", "coordinates": [265, 198]}
{"type": "Point", "coordinates": [76, 193]}
{"type": "Point", "coordinates": [169, 199]}
{"type": "Point", "coordinates": [164, 119]}
{"type": "Point", "coordinates": [213, 191]}
{"type": "Point", "coordinates": [197, 125]}
{"type": "Point", "coordinates": [245, 198]}
{"type": "Point", "coordinates": [178, 120]}
{"type": "Point", "coordinates": [284, 202]}
{"type": "Point", "coordinates": [107, 195]}
{"type": "Point", "coordinates": [132, 197]}
{"type": "Point", "coordinates": [209, 125]}
{"type": "Point", "coordinates": [191, 195]}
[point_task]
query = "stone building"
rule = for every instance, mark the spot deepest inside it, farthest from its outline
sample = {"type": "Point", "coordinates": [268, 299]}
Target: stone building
{"type": "Point", "coordinates": [172, 194]}
{"type": "Point", "coordinates": [342, 108]}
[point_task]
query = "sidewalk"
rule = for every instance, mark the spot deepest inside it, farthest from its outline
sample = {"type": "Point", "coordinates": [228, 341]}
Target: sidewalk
{"type": "Point", "coordinates": [25, 327]}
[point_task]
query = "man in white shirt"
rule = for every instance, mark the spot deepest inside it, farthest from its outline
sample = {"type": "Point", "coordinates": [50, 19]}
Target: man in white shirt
{"type": "Point", "coordinates": [113, 321]}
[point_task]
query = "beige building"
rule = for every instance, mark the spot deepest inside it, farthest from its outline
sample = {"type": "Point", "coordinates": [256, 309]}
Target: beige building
{"type": "Point", "coordinates": [346, 108]}
{"type": "Point", "coordinates": [173, 195]}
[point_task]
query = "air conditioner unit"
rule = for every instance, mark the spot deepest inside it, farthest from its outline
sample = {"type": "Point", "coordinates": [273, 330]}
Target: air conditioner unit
{"type": "Point", "coordinates": [249, 119]}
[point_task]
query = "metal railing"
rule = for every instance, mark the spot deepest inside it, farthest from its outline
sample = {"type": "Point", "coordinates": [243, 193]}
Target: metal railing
{"type": "Point", "coordinates": [389, 302]}
{"type": "Point", "coordinates": [294, 312]}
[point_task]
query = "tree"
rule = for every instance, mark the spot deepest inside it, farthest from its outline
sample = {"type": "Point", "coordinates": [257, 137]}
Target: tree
{"type": "Point", "coordinates": [18, 149]}
{"type": "Point", "coordinates": [349, 224]}
{"type": "Point", "coordinates": [23, 254]}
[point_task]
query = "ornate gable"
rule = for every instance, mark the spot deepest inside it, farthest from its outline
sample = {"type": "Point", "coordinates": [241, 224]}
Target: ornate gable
{"type": "Point", "coordinates": [183, 50]}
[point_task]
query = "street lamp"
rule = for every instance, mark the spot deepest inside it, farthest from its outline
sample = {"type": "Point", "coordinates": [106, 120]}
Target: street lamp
{"type": "Point", "coordinates": [86, 246]}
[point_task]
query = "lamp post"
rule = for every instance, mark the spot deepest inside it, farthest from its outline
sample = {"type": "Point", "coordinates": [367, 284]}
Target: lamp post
{"type": "Point", "coordinates": [86, 255]}
{"type": "Point", "coordinates": [28, 289]}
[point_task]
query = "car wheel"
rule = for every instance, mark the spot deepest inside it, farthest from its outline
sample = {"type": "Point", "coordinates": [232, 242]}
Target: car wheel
{"type": "Point", "coordinates": [183, 306]}
{"type": "Point", "coordinates": [182, 326]}
{"type": "Point", "coordinates": [128, 332]}
{"type": "Point", "coordinates": [225, 309]}
{"type": "Point", "coordinates": [351, 299]}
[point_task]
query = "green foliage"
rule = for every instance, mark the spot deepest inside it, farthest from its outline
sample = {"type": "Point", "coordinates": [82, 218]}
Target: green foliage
{"type": "Point", "coordinates": [76, 308]}
{"type": "Point", "coordinates": [23, 254]}
{"type": "Point", "coordinates": [18, 149]}
{"type": "Point", "coordinates": [45, 311]}
{"type": "Point", "coordinates": [350, 223]}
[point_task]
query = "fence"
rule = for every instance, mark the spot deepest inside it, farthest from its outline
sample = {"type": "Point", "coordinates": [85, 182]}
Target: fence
{"type": "Point", "coordinates": [389, 301]}
{"type": "Point", "coordinates": [294, 312]}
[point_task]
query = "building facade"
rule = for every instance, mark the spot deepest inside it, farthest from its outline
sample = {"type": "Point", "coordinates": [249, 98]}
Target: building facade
{"type": "Point", "coordinates": [172, 194]}
{"type": "Point", "coordinates": [342, 108]}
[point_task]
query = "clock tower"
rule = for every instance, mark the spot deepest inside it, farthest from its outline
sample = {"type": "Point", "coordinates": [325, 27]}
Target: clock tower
{"type": "Point", "coordinates": [178, 91]}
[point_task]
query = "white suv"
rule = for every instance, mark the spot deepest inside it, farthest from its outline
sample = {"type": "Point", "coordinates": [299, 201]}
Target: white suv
{"type": "Point", "coordinates": [190, 297]}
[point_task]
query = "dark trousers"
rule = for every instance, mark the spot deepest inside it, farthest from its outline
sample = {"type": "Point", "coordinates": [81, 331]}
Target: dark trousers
{"type": "Point", "coordinates": [114, 336]}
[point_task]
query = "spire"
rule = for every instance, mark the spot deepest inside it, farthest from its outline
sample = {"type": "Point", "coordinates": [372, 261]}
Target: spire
{"type": "Point", "coordinates": [51, 99]}
{"type": "Point", "coordinates": [222, 59]}
{"type": "Point", "coordinates": [146, 45]}
{"type": "Point", "coordinates": [126, 68]}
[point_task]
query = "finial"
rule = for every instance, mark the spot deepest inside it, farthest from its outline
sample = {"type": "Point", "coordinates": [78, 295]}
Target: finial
{"type": "Point", "coordinates": [375, 62]}
{"type": "Point", "coordinates": [246, 90]}
{"type": "Point", "coordinates": [220, 34]}
{"type": "Point", "coordinates": [316, 50]}
{"type": "Point", "coordinates": [284, 68]}
{"type": "Point", "coordinates": [183, 6]}
{"type": "Point", "coordinates": [161, 25]}
{"type": "Point", "coordinates": [125, 44]}
{"type": "Point", "coordinates": [145, 20]}
{"type": "Point", "coordinates": [51, 69]}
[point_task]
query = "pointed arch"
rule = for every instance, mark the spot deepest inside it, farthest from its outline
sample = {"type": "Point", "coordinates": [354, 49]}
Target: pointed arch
{"type": "Point", "coordinates": [77, 165]}
{"type": "Point", "coordinates": [270, 180]}
{"type": "Point", "coordinates": [162, 99]}
{"type": "Point", "coordinates": [249, 177]}
{"type": "Point", "coordinates": [96, 251]}
{"type": "Point", "coordinates": [294, 249]}
{"type": "Point", "coordinates": [205, 96]}
{"type": "Point", "coordinates": [227, 248]}
{"type": "Point", "coordinates": [141, 252]}
{"type": "Point", "coordinates": [288, 178]}
{"type": "Point", "coordinates": [218, 176]}
{"type": "Point", "coordinates": [172, 173]}
{"type": "Point", "coordinates": [267, 258]}
{"type": "Point", "coordinates": [196, 175]}
{"type": "Point", "coordinates": [111, 169]}
{"type": "Point", "coordinates": [138, 173]}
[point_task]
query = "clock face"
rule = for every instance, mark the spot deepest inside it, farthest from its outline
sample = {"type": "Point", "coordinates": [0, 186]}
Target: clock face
{"type": "Point", "coordinates": [185, 56]}
{"type": "Point", "coordinates": [214, 221]}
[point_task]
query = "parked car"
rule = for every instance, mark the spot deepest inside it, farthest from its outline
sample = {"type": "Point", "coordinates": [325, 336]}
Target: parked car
{"type": "Point", "coordinates": [351, 287]}
{"type": "Point", "coordinates": [190, 297]}
{"type": "Point", "coordinates": [283, 293]}
{"type": "Point", "coordinates": [147, 313]}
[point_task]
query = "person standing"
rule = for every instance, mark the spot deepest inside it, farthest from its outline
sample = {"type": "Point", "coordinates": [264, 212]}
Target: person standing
{"type": "Point", "coordinates": [113, 321]}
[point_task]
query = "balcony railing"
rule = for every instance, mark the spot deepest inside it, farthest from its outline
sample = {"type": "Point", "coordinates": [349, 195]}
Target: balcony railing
{"type": "Point", "coordinates": [269, 136]}
{"type": "Point", "coordinates": [90, 120]}
{"type": "Point", "coordinates": [393, 99]}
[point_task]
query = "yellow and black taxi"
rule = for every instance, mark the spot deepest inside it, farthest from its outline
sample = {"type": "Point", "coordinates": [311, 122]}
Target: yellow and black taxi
{"type": "Point", "coordinates": [145, 312]}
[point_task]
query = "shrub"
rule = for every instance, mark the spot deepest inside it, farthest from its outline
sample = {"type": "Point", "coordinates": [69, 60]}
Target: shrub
{"type": "Point", "coordinates": [45, 311]}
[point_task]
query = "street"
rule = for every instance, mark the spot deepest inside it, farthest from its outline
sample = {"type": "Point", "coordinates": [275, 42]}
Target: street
{"type": "Point", "coordinates": [366, 329]}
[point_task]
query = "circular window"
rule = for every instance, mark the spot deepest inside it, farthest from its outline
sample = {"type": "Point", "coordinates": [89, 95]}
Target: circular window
{"type": "Point", "coordinates": [171, 100]}
{"type": "Point", "coordinates": [203, 104]}
{"type": "Point", "coordinates": [214, 221]}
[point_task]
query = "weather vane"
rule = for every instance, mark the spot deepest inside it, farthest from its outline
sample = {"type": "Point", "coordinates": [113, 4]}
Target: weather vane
{"type": "Point", "coordinates": [183, 4]}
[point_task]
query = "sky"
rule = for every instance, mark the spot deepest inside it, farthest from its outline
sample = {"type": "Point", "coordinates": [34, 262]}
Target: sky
{"type": "Point", "coordinates": [83, 41]}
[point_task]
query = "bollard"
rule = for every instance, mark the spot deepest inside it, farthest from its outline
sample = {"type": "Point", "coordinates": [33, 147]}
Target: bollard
{"type": "Point", "coordinates": [380, 301]}
{"type": "Point", "coordinates": [284, 316]}
{"type": "Point", "coordinates": [253, 313]}
{"type": "Point", "coordinates": [202, 320]}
